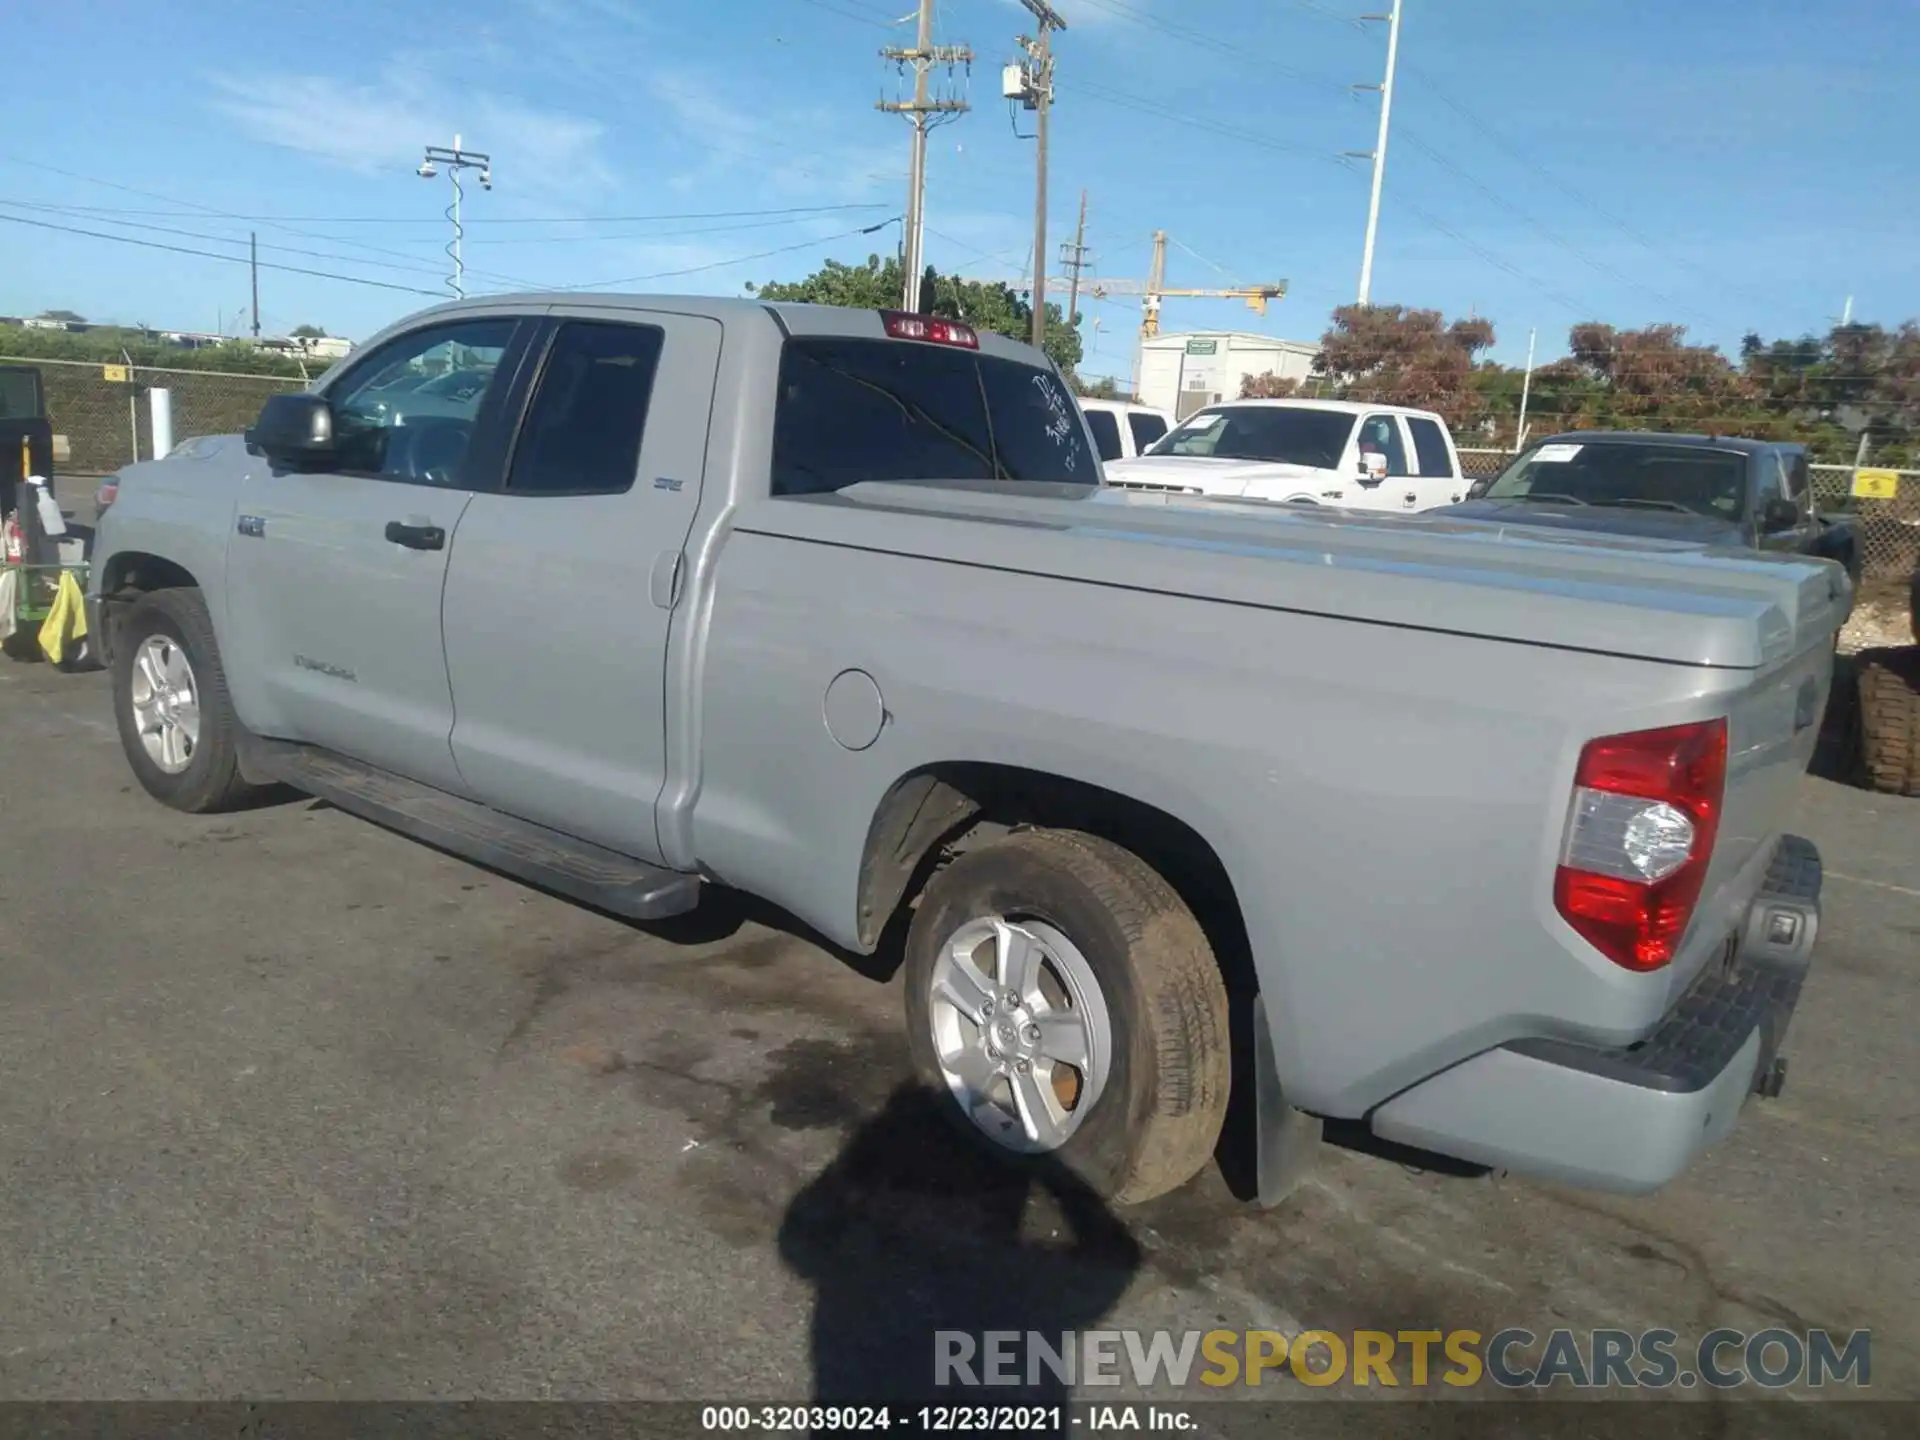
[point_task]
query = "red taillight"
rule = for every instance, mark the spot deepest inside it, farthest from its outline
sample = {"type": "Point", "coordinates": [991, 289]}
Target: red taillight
{"type": "Point", "coordinates": [108, 492]}
{"type": "Point", "coordinates": [1646, 807]}
{"type": "Point", "coordinates": [903, 326]}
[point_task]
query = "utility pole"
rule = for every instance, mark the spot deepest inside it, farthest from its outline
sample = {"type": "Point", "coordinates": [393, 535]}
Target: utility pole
{"type": "Point", "coordinates": [1380, 148]}
{"type": "Point", "coordinates": [1073, 259]}
{"type": "Point", "coordinates": [456, 160]}
{"type": "Point", "coordinates": [1032, 84]}
{"type": "Point", "coordinates": [920, 110]}
{"type": "Point", "coordinates": [253, 264]}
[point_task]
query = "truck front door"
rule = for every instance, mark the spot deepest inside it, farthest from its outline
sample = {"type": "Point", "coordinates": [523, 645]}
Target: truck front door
{"type": "Point", "coordinates": [334, 580]}
{"type": "Point", "coordinates": [565, 582]}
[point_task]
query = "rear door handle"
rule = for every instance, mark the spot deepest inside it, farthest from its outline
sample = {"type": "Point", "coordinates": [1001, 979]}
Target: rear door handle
{"type": "Point", "coordinates": [417, 537]}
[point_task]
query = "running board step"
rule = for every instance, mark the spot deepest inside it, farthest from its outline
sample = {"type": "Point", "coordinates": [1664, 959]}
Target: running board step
{"type": "Point", "coordinates": [609, 881]}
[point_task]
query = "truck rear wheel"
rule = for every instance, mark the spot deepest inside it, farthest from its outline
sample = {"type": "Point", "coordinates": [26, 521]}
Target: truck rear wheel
{"type": "Point", "coordinates": [1890, 719]}
{"type": "Point", "coordinates": [170, 700]}
{"type": "Point", "coordinates": [1064, 998]}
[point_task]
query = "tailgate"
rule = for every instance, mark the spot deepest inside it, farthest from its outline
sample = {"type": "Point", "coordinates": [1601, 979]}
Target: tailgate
{"type": "Point", "coordinates": [1773, 728]}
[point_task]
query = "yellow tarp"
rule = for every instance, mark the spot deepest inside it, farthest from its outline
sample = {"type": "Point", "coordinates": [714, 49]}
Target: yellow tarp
{"type": "Point", "coordinates": [66, 623]}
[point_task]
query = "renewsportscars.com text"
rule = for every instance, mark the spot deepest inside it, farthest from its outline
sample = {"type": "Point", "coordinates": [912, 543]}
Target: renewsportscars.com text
{"type": "Point", "coordinates": [1511, 1359]}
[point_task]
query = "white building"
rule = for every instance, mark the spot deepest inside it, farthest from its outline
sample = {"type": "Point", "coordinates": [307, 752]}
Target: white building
{"type": "Point", "coordinates": [1181, 373]}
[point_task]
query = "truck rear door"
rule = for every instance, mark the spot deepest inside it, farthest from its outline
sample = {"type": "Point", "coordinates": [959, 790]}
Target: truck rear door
{"type": "Point", "coordinates": [562, 587]}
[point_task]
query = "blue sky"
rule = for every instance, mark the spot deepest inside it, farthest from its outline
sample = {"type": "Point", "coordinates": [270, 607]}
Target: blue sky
{"type": "Point", "coordinates": [1726, 164]}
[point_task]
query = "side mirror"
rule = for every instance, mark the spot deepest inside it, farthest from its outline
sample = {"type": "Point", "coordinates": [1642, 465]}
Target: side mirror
{"type": "Point", "coordinates": [1479, 488]}
{"type": "Point", "coordinates": [1373, 466]}
{"type": "Point", "coordinates": [295, 432]}
{"type": "Point", "coordinates": [1779, 515]}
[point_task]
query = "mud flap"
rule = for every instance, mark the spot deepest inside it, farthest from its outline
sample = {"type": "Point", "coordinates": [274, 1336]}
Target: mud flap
{"type": "Point", "coordinates": [1289, 1139]}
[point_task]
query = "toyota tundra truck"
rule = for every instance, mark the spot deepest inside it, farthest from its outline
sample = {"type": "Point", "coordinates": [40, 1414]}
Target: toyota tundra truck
{"type": "Point", "coordinates": [1465, 841]}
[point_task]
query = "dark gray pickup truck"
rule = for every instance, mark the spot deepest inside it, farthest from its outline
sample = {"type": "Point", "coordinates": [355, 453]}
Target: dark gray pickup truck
{"type": "Point", "coordinates": [1702, 490]}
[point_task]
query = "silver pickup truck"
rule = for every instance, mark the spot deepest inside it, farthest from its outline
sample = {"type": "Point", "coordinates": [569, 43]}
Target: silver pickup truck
{"type": "Point", "coordinates": [1425, 834]}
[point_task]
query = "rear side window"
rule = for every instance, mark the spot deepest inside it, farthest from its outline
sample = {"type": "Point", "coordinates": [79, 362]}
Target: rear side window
{"type": "Point", "coordinates": [1146, 430]}
{"type": "Point", "coordinates": [852, 410]}
{"type": "Point", "coordinates": [589, 411]}
{"type": "Point", "coordinates": [1430, 446]}
{"type": "Point", "coordinates": [1106, 433]}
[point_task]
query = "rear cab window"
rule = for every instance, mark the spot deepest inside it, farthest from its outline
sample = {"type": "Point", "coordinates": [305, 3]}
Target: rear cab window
{"type": "Point", "coordinates": [852, 410]}
{"type": "Point", "coordinates": [1430, 446]}
{"type": "Point", "coordinates": [1146, 429]}
{"type": "Point", "coordinates": [1106, 434]}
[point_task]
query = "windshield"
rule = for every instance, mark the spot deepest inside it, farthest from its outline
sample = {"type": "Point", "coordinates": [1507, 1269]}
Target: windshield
{"type": "Point", "coordinates": [1629, 475]}
{"type": "Point", "coordinates": [1262, 432]}
{"type": "Point", "coordinates": [857, 410]}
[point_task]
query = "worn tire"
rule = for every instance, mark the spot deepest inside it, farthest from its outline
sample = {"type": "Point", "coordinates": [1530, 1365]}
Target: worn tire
{"type": "Point", "coordinates": [1158, 1119]}
{"type": "Point", "coordinates": [1890, 719]}
{"type": "Point", "coordinates": [212, 781]}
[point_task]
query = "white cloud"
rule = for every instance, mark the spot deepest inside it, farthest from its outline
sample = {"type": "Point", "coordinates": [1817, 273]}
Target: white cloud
{"type": "Point", "coordinates": [382, 128]}
{"type": "Point", "coordinates": [742, 148]}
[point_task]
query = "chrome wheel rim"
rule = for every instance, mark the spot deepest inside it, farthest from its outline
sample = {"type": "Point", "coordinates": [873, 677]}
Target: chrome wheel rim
{"type": "Point", "coordinates": [166, 703]}
{"type": "Point", "coordinates": [1021, 1030]}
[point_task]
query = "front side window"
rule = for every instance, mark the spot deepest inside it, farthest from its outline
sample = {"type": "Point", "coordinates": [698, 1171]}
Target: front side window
{"type": "Point", "coordinates": [1106, 434]}
{"type": "Point", "coordinates": [1380, 435]}
{"type": "Point", "coordinates": [584, 428]}
{"type": "Point", "coordinates": [407, 412]}
{"type": "Point", "coordinates": [855, 410]}
{"type": "Point", "coordinates": [1272, 433]}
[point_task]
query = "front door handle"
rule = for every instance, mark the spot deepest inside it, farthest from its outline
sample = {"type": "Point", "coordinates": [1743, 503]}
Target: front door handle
{"type": "Point", "coordinates": [417, 537]}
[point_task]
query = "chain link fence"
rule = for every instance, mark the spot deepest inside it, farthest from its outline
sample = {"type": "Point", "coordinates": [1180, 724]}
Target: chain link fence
{"type": "Point", "coordinates": [1889, 529]}
{"type": "Point", "coordinates": [101, 418]}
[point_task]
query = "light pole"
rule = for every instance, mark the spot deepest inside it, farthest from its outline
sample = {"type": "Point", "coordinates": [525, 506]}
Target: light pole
{"type": "Point", "coordinates": [457, 160]}
{"type": "Point", "coordinates": [1380, 150]}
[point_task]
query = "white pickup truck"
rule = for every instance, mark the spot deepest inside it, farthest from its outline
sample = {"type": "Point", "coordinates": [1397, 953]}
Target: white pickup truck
{"type": "Point", "coordinates": [1308, 452]}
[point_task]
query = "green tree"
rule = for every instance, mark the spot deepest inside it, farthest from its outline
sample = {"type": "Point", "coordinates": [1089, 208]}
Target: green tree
{"type": "Point", "coordinates": [308, 332]}
{"type": "Point", "coordinates": [65, 317]}
{"type": "Point", "coordinates": [984, 304]}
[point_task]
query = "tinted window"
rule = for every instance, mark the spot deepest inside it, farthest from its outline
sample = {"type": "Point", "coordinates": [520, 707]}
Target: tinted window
{"type": "Point", "coordinates": [1106, 433]}
{"type": "Point", "coordinates": [1431, 447]}
{"type": "Point", "coordinates": [386, 423]}
{"type": "Point", "coordinates": [1146, 429]}
{"type": "Point", "coordinates": [856, 410]}
{"type": "Point", "coordinates": [1773, 479]}
{"type": "Point", "coordinates": [583, 430]}
{"type": "Point", "coordinates": [1380, 435]}
{"type": "Point", "coordinates": [1263, 432]}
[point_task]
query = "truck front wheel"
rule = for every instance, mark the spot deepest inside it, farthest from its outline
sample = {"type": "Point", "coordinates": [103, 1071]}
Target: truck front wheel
{"type": "Point", "coordinates": [1065, 1000]}
{"type": "Point", "coordinates": [170, 699]}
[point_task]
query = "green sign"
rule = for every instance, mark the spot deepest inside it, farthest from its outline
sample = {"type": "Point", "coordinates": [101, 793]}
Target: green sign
{"type": "Point", "coordinates": [1203, 347]}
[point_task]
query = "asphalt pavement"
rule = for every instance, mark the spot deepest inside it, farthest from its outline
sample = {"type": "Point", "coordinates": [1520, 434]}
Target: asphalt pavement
{"type": "Point", "coordinates": [293, 1107]}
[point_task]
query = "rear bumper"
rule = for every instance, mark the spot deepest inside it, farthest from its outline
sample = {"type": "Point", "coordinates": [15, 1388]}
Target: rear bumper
{"type": "Point", "coordinates": [1631, 1118]}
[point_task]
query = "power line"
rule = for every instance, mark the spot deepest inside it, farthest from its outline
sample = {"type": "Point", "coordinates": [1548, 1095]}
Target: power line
{"type": "Point", "coordinates": [1199, 40]}
{"type": "Point", "coordinates": [1574, 250]}
{"type": "Point", "coordinates": [213, 255]}
{"type": "Point", "coordinates": [491, 221]}
{"type": "Point", "coordinates": [734, 260]}
{"type": "Point", "coordinates": [1161, 111]}
{"type": "Point", "coordinates": [228, 215]}
{"type": "Point", "coordinates": [1500, 139]}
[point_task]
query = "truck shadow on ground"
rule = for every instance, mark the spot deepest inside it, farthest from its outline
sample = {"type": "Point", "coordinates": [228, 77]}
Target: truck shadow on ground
{"type": "Point", "coordinates": [1837, 756]}
{"type": "Point", "coordinates": [910, 1231]}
